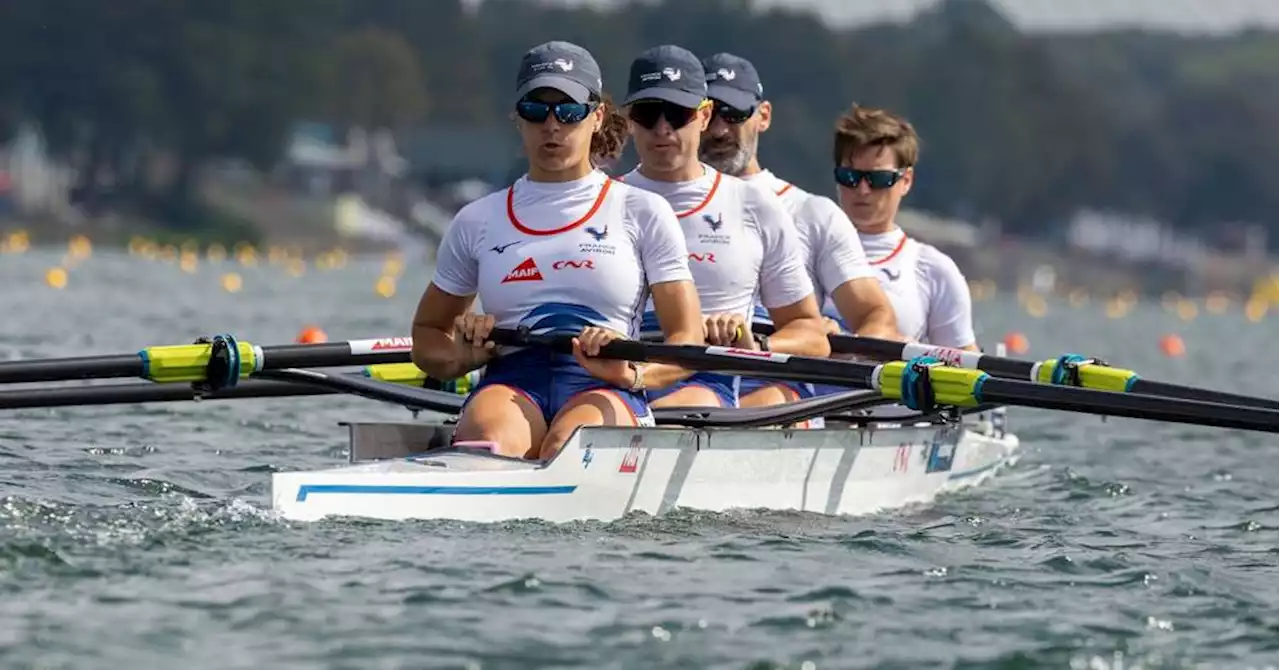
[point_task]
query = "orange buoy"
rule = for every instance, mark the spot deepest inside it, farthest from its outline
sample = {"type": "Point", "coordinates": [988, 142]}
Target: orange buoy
{"type": "Point", "coordinates": [311, 335]}
{"type": "Point", "coordinates": [1016, 343]}
{"type": "Point", "coordinates": [1172, 346]}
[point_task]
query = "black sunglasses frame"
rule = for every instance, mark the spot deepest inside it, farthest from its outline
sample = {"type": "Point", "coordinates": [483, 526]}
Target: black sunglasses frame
{"type": "Point", "coordinates": [878, 180]}
{"type": "Point", "coordinates": [645, 113]}
{"type": "Point", "coordinates": [567, 113]}
{"type": "Point", "coordinates": [732, 115]}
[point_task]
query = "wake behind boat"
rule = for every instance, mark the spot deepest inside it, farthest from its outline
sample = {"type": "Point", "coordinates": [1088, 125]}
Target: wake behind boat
{"type": "Point", "coordinates": [880, 460]}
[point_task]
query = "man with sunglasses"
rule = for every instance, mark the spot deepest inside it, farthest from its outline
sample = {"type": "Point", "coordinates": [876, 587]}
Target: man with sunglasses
{"type": "Point", "coordinates": [875, 154]}
{"type": "Point", "coordinates": [741, 240]}
{"type": "Point", "coordinates": [833, 254]}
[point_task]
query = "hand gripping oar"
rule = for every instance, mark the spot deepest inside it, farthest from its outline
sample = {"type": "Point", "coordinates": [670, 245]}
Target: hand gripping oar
{"type": "Point", "coordinates": [922, 384]}
{"type": "Point", "coordinates": [1067, 370]}
{"type": "Point", "coordinates": [226, 357]}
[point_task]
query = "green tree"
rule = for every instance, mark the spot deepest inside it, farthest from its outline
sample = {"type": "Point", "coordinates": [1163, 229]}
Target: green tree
{"type": "Point", "coordinates": [374, 81]}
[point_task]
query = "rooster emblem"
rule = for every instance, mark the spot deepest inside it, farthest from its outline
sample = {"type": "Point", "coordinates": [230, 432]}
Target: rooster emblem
{"type": "Point", "coordinates": [598, 234]}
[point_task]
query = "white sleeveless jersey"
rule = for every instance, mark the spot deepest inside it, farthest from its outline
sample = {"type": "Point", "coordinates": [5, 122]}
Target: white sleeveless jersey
{"type": "Point", "coordinates": [559, 256]}
{"type": "Point", "coordinates": [740, 239]}
{"type": "Point", "coordinates": [832, 251]}
{"type": "Point", "coordinates": [928, 291]}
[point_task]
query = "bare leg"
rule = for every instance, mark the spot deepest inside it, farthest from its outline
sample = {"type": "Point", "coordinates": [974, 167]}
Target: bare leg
{"type": "Point", "coordinates": [597, 407]}
{"type": "Point", "coordinates": [693, 395]}
{"type": "Point", "coordinates": [505, 416]}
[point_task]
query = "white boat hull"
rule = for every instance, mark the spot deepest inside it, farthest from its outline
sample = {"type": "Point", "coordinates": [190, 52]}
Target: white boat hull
{"type": "Point", "coordinates": [605, 473]}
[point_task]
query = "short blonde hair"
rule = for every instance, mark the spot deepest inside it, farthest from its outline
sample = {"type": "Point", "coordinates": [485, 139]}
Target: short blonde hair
{"type": "Point", "coordinates": [862, 127]}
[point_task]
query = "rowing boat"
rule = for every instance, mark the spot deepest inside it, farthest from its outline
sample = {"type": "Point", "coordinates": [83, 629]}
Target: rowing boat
{"type": "Point", "coordinates": [914, 428]}
{"type": "Point", "coordinates": [859, 465]}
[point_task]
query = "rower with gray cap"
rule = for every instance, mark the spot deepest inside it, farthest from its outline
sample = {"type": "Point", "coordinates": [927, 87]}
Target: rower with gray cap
{"type": "Point", "coordinates": [740, 238]}
{"type": "Point", "coordinates": [833, 256]}
{"type": "Point", "coordinates": [564, 250]}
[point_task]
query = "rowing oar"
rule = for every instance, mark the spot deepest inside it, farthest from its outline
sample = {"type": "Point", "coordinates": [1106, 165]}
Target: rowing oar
{"type": "Point", "coordinates": [220, 358]}
{"type": "Point", "coordinates": [1067, 370]}
{"type": "Point", "coordinates": [376, 379]}
{"type": "Point", "coordinates": [922, 384]}
{"type": "Point", "coordinates": [406, 374]}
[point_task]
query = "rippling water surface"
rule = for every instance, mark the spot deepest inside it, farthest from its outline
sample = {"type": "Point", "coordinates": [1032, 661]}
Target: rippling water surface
{"type": "Point", "coordinates": [141, 536]}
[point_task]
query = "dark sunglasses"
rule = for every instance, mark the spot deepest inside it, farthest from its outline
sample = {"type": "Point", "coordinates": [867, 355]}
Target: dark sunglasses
{"type": "Point", "coordinates": [567, 113]}
{"type": "Point", "coordinates": [732, 115]}
{"type": "Point", "coordinates": [646, 114]}
{"type": "Point", "coordinates": [876, 179]}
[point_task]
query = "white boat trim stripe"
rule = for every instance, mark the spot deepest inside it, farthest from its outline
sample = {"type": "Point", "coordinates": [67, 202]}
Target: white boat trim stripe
{"type": "Point", "coordinates": [836, 493]}
{"type": "Point", "coordinates": [808, 475]}
{"type": "Point", "coordinates": [680, 473]}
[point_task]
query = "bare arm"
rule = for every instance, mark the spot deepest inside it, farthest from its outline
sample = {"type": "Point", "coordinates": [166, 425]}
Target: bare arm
{"type": "Point", "coordinates": [867, 309]}
{"type": "Point", "coordinates": [680, 314]}
{"type": "Point", "coordinates": [433, 348]}
{"type": "Point", "coordinates": [800, 329]}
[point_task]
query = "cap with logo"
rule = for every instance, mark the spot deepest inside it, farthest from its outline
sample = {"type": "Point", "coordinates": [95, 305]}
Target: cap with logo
{"type": "Point", "coordinates": [733, 80]}
{"type": "Point", "coordinates": [668, 73]}
{"type": "Point", "coordinates": [564, 66]}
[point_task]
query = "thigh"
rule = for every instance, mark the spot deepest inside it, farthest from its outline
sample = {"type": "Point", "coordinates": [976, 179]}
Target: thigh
{"type": "Point", "coordinates": [704, 389]}
{"type": "Point", "coordinates": [689, 395]}
{"type": "Point", "coordinates": [506, 416]}
{"type": "Point", "coordinates": [769, 394]}
{"type": "Point", "coordinates": [595, 407]}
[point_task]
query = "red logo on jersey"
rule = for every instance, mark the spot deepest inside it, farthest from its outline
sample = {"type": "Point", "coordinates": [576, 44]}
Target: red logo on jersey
{"type": "Point", "coordinates": [703, 258]}
{"type": "Point", "coordinates": [527, 270]}
{"type": "Point", "coordinates": [573, 265]}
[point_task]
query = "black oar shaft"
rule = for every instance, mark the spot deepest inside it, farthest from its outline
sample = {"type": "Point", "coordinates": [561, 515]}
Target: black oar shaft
{"type": "Point", "coordinates": [727, 361]}
{"type": "Point", "coordinates": [861, 375]}
{"type": "Point", "coordinates": [1167, 390]}
{"type": "Point", "coordinates": [1136, 406]}
{"type": "Point", "coordinates": [81, 367]}
{"type": "Point", "coordinates": [123, 394]}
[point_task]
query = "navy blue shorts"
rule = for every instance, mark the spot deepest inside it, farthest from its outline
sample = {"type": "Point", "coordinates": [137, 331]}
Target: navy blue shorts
{"type": "Point", "coordinates": [724, 386]}
{"type": "Point", "coordinates": [750, 385]}
{"type": "Point", "coordinates": [550, 380]}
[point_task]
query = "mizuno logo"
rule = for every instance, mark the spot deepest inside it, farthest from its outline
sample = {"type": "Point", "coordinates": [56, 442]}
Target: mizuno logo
{"type": "Point", "coordinates": [499, 248]}
{"type": "Point", "coordinates": [715, 223]}
{"type": "Point", "coordinates": [527, 270]}
{"type": "Point", "coordinates": [727, 74]}
{"type": "Point", "coordinates": [598, 234]}
{"type": "Point", "coordinates": [893, 276]}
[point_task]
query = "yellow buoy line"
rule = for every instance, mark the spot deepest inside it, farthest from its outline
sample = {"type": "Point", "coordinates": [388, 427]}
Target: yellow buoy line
{"type": "Point", "coordinates": [190, 255]}
{"type": "Point", "coordinates": [1038, 304]}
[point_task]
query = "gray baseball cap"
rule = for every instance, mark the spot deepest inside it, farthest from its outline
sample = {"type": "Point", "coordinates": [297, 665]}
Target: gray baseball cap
{"type": "Point", "coordinates": [733, 80]}
{"type": "Point", "coordinates": [564, 66]}
{"type": "Point", "coordinates": [669, 73]}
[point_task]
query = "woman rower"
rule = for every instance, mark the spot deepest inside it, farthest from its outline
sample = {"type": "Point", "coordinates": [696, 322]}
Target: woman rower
{"type": "Point", "coordinates": [875, 154]}
{"type": "Point", "coordinates": [563, 250]}
{"type": "Point", "coordinates": [740, 238]}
